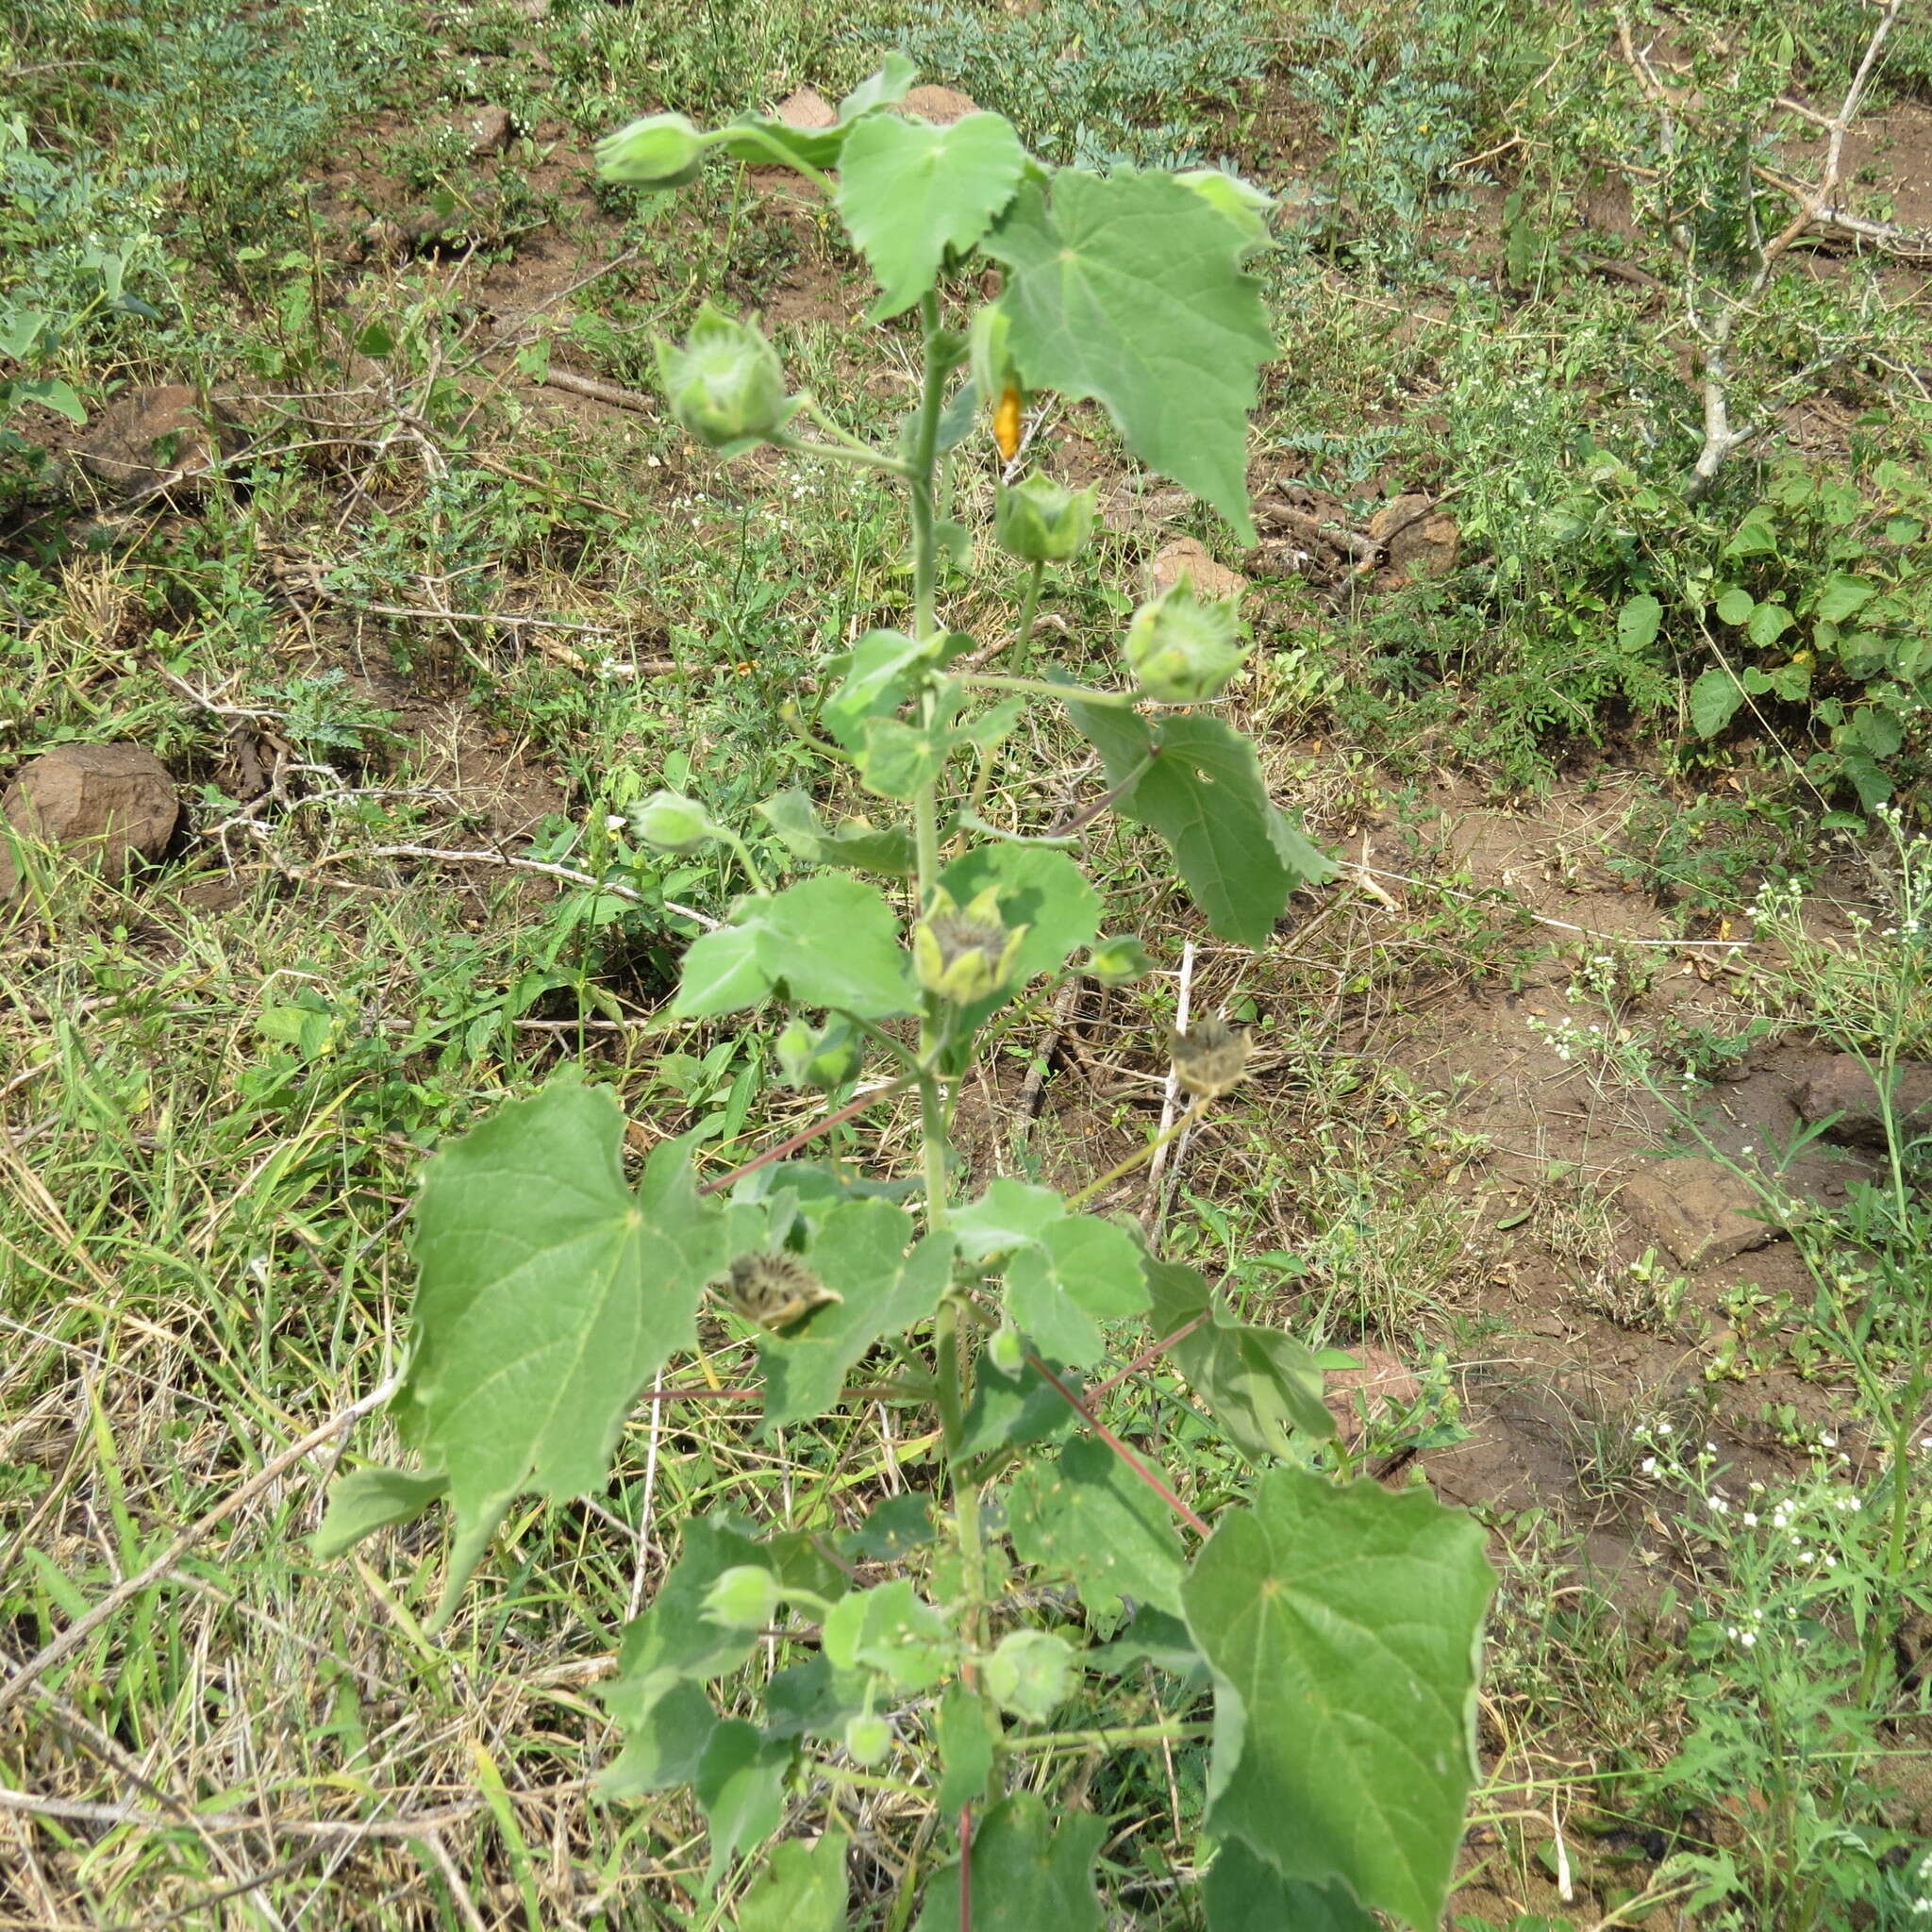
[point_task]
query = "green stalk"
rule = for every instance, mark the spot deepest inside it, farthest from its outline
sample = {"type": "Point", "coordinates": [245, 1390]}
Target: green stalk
{"type": "Point", "coordinates": [1023, 645]}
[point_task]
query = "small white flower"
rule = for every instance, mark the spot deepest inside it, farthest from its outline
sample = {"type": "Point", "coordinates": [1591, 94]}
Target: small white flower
{"type": "Point", "coordinates": [1650, 1465]}
{"type": "Point", "coordinates": [613, 822]}
{"type": "Point", "coordinates": [1663, 1428]}
{"type": "Point", "coordinates": [1749, 1519]}
{"type": "Point", "coordinates": [1748, 1639]}
{"type": "Point", "coordinates": [1719, 1506]}
{"type": "Point", "coordinates": [1827, 1442]}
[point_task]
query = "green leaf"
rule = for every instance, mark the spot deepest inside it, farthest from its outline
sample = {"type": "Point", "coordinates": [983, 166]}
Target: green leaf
{"type": "Point", "coordinates": [1006, 1410]}
{"type": "Point", "coordinates": [1714, 701]}
{"type": "Point", "coordinates": [1025, 1875]}
{"type": "Point", "coordinates": [819, 147]}
{"type": "Point", "coordinates": [1341, 1625]}
{"type": "Point", "coordinates": [804, 1888]}
{"type": "Point", "coordinates": [1030, 1673]}
{"type": "Point", "coordinates": [1735, 606]}
{"type": "Point", "coordinates": [367, 1500]}
{"type": "Point", "coordinates": [966, 1738]}
{"type": "Point", "coordinates": [859, 1251]}
{"type": "Point", "coordinates": [1039, 888]}
{"type": "Point", "coordinates": [549, 1294]}
{"type": "Point", "coordinates": [667, 1652]}
{"type": "Point", "coordinates": [895, 1528]}
{"type": "Point", "coordinates": [1088, 1516]}
{"type": "Point", "coordinates": [1065, 1273]}
{"type": "Point", "coordinates": [740, 1785]}
{"type": "Point", "coordinates": [900, 761]}
{"type": "Point", "coordinates": [1203, 795]}
{"type": "Point", "coordinates": [829, 941]}
{"type": "Point", "coordinates": [1244, 1893]}
{"type": "Point", "coordinates": [892, 1632]}
{"type": "Point", "coordinates": [1755, 537]}
{"type": "Point", "coordinates": [875, 677]}
{"type": "Point", "coordinates": [52, 394]}
{"type": "Point", "coordinates": [1840, 594]}
{"type": "Point", "coordinates": [1261, 1385]}
{"type": "Point", "coordinates": [910, 191]}
{"type": "Point", "coordinates": [852, 842]}
{"type": "Point", "coordinates": [1767, 624]}
{"type": "Point", "coordinates": [1128, 288]}
{"type": "Point", "coordinates": [1637, 621]}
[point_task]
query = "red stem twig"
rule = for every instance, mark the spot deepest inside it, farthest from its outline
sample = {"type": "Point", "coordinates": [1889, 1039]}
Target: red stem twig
{"type": "Point", "coordinates": [1193, 1518]}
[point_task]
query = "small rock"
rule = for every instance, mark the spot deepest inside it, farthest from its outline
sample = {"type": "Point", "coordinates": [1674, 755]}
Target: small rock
{"type": "Point", "coordinates": [110, 805]}
{"type": "Point", "coordinates": [1698, 1210]}
{"type": "Point", "coordinates": [490, 131]}
{"type": "Point", "coordinates": [535, 11]}
{"type": "Point", "coordinates": [941, 106]}
{"type": "Point", "coordinates": [155, 440]}
{"type": "Point", "coordinates": [807, 109]}
{"type": "Point", "coordinates": [1380, 1382]}
{"type": "Point", "coordinates": [1843, 1087]}
{"type": "Point", "coordinates": [1547, 1324]}
{"type": "Point", "coordinates": [1187, 556]}
{"type": "Point", "coordinates": [1420, 539]}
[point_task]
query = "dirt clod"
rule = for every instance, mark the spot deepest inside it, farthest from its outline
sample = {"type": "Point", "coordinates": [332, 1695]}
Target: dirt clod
{"type": "Point", "coordinates": [806, 107]}
{"type": "Point", "coordinates": [941, 106]}
{"type": "Point", "coordinates": [1420, 540]}
{"type": "Point", "coordinates": [155, 440]}
{"type": "Point", "coordinates": [111, 805]}
{"type": "Point", "coordinates": [1845, 1087]}
{"type": "Point", "coordinates": [1187, 556]}
{"type": "Point", "coordinates": [490, 130]}
{"type": "Point", "coordinates": [1699, 1210]}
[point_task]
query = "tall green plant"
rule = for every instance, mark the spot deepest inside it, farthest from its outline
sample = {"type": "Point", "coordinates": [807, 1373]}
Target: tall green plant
{"type": "Point", "coordinates": [1333, 1624]}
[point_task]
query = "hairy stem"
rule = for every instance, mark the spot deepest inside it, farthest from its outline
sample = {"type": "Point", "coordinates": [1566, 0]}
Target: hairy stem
{"type": "Point", "coordinates": [1023, 645]}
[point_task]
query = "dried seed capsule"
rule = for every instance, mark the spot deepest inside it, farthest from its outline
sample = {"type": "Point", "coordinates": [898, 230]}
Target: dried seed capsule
{"type": "Point", "coordinates": [1210, 1057]}
{"type": "Point", "coordinates": [777, 1291]}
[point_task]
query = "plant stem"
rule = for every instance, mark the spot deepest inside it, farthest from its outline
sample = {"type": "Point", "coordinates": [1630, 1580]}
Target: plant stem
{"type": "Point", "coordinates": [1023, 645]}
{"type": "Point", "coordinates": [1039, 688]}
{"type": "Point", "coordinates": [925, 439]}
{"type": "Point", "coordinates": [1107, 1740]}
{"type": "Point", "coordinates": [858, 456]}
{"type": "Point", "coordinates": [1143, 1153]}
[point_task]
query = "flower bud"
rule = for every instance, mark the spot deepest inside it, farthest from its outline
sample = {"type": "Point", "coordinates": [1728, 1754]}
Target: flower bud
{"type": "Point", "coordinates": [964, 957]}
{"type": "Point", "coordinates": [813, 1056]}
{"type": "Point", "coordinates": [660, 151]}
{"type": "Point", "coordinates": [1182, 649]}
{"type": "Point", "coordinates": [1040, 521]}
{"type": "Point", "coordinates": [1117, 960]}
{"type": "Point", "coordinates": [669, 821]}
{"type": "Point", "coordinates": [1241, 202]}
{"type": "Point", "coordinates": [777, 1291]}
{"type": "Point", "coordinates": [988, 356]}
{"type": "Point", "coordinates": [745, 1597]}
{"type": "Point", "coordinates": [1005, 1351]}
{"type": "Point", "coordinates": [725, 385]}
{"type": "Point", "coordinates": [868, 1738]}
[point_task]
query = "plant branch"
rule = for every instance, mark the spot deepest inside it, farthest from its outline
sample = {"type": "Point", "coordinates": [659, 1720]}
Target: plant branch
{"type": "Point", "coordinates": [811, 1133]}
{"type": "Point", "coordinates": [1194, 1521]}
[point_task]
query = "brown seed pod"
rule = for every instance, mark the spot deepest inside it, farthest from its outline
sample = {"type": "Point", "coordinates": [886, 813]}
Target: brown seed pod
{"type": "Point", "coordinates": [777, 1291]}
{"type": "Point", "coordinates": [1210, 1058]}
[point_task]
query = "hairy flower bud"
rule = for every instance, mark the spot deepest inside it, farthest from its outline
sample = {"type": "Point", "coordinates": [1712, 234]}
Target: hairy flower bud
{"type": "Point", "coordinates": [1040, 521]}
{"type": "Point", "coordinates": [725, 385]}
{"type": "Point", "coordinates": [745, 1597]}
{"type": "Point", "coordinates": [964, 957]}
{"type": "Point", "coordinates": [660, 151]}
{"type": "Point", "coordinates": [1183, 648]}
{"type": "Point", "coordinates": [1210, 1057]}
{"type": "Point", "coordinates": [669, 821]}
{"type": "Point", "coordinates": [819, 1056]}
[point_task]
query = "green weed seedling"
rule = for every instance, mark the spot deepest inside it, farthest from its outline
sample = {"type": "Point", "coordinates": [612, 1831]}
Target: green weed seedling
{"type": "Point", "coordinates": [1312, 1648]}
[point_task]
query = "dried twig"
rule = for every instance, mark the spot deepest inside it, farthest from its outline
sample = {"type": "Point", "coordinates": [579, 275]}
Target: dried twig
{"type": "Point", "coordinates": [1816, 209]}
